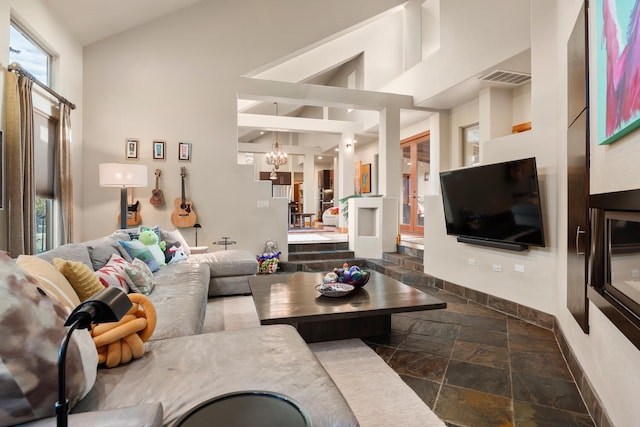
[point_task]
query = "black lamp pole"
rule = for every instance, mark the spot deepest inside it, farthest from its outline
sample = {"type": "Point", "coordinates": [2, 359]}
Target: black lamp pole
{"type": "Point", "coordinates": [123, 207]}
{"type": "Point", "coordinates": [197, 226]}
{"type": "Point", "coordinates": [108, 305]}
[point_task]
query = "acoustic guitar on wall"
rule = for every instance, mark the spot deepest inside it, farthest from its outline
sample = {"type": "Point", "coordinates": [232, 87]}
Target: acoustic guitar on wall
{"type": "Point", "coordinates": [183, 215]}
{"type": "Point", "coordinates": [157, 199]}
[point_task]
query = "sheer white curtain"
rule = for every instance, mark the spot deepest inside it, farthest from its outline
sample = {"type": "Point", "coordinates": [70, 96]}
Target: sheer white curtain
{"type": "Point", "coordinates": [20, 178]}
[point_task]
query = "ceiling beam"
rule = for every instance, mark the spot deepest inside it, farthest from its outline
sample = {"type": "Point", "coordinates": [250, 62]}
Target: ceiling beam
{"type": "Point", "coordinates": [321, 96]}
{"type": "Point", "coordinates": [297, 124]}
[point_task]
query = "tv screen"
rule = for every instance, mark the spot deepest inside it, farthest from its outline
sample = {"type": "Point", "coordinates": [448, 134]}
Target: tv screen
{"type": "Point", "coordinates": [494, 203]}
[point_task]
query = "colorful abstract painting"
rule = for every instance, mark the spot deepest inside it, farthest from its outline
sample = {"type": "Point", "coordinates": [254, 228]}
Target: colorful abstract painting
{"type": "Point", "coordinates": [618, 68]}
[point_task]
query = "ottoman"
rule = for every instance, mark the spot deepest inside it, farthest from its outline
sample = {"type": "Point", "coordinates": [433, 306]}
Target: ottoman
{"type": "Point", "coordinates": [230, 271]}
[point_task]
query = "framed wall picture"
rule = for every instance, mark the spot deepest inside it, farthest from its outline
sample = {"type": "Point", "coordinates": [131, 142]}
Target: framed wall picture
{"type": "Point", "coordinates": [184, 151]}
{"type": "Point", "coordinates": [158, 150]}
{"type": "Point", "coordinates": [132, 148]}
{"type": "Point", "coordinates": [365, 181]}
{"type": "Point", "coordinates": [617, 69]}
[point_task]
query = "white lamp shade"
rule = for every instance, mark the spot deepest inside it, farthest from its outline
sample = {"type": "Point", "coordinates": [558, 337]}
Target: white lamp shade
{"type": "Point", "coordinates": [122, 175]}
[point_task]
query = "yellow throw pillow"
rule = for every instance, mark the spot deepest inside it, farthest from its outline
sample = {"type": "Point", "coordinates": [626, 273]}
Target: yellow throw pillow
{"type": "Point", "coordinates": [83, 280]}
{"type": "Point", "coordinates": [50, 280]}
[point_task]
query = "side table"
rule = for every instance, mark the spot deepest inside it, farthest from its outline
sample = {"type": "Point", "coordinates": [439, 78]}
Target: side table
{"type": "Point", "coordinates": [199, 249]}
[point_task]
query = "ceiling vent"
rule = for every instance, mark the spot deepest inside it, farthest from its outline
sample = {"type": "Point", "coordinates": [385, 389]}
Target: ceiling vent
{"type": "Point", "coordinates": [506, 77]}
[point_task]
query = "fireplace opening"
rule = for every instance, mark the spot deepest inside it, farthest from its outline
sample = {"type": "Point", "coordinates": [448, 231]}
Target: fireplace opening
{"type": "Point", "coordinates": [614, 259]}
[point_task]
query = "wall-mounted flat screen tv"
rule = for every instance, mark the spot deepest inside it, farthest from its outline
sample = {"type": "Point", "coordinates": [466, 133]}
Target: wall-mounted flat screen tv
{"type": "Point", "coordinates": [494, 205]}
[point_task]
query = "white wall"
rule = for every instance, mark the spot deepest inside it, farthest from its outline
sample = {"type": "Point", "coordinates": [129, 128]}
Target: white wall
{"type": "Point", "coordinates": [176, 79]}
{"type": "Point", "coordinates": [67, 71]}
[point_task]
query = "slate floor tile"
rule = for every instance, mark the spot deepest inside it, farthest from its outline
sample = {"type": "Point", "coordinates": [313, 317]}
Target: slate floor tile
{"type": "Point", "coordinates": [473, 408]}
{"type": "Point", "coordinates": [477, 377]}
{"type": "Point", "coordinates": [419, 364]}
{"type": "Point", "coordinates": [530, 415]}
{"type": "Point", "coordinates": [550, 392]}
{"type": "Point", "coordinates": [481, 354]}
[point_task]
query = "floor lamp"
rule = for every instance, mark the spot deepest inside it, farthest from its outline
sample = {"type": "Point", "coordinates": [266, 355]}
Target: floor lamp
{"type": "Point", "coordinates": [123, 175]}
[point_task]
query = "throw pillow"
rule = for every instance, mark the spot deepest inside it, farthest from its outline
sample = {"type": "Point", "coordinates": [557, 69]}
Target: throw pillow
{"type": "Point", "coordinates": [31, 333]}
{"type": "Point", "coordinates": [137, 249]}
{"type": "Point", "coordinates": [51, 280]}
{"type": "Point", "coordinates": [141, 276]}
{"type": "Point", "coordinates": [113, 273]}
{"type": "Point", "coordinates": [173, 237]}
{"type": "Point", "coordinates": [82, 278]}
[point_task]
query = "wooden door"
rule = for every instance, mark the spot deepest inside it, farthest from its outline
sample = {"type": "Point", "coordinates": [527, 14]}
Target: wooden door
{"type": "Point", "coordinates": [415, 175]}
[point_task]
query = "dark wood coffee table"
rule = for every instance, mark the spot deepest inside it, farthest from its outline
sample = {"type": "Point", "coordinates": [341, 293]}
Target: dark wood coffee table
{"type": "Point", "coordinates": [365, 312]}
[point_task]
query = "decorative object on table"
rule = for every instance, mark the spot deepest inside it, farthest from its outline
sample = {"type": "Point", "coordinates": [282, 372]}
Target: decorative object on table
{"type": "Point", "coordinates": [184, 151]}
{"type": "Point", "coordinates": [225, 242]}
{"type": "Point", "coordinates": [132, 148]}
{"type": "Point", "coordinates": [351, 275]}
{"type": "Point", "coordinates": [197, 226]}
{"type": "Point", "coordinates": [120, 342]}
{"type": "Point", "coordinates": [123, 175]}
{"type": "Point", "coordinates": [335, 289]}
{"type": "Point", "coordinates": [618, 110]}
{"type": "Point", "coordinates": [268, 261]}
{"type": "Point", "coordinates": [183, 215]}
{"type": "Point", "coordinates": [158, 150]}
{"type": "Point", "coordinates": [157, 198]}
{"type": "Point", "coordinates": [276, 158]}
{"type": "Point", "coordinates": [107, 306]}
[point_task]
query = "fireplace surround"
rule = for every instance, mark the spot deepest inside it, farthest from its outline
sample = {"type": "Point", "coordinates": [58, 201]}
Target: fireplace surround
{"type": "Point", "coordinates": [614, 259]}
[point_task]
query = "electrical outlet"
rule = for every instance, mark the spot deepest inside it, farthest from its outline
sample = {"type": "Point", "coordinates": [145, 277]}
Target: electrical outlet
{"type": "Point", "coordinates": [263, 203]}
{"type": "Point", "coordinates": [472, 261]}
{"type": "Point", "coordinates": [519, 268]}
{"type": "Point", "coordinates": [497, 268]}
{"type": "Point", "coordinates": [635, 274]}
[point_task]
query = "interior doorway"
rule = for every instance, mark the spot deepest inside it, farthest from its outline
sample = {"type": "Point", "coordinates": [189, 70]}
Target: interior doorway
{"type": "Point", "coordinates": [415, 178]}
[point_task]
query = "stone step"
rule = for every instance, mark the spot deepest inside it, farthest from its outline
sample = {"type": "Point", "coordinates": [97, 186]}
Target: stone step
{"type": "Point", "coordinates": [318, 247]}
{"type": "Point", "coordinates": [320, 255]}
{"type": "Point", "coordinates": [405, 260]}
{"type": "Point", "coordinates": [406, 275]}
{"type": "Point", "coordinates": [325, 265]}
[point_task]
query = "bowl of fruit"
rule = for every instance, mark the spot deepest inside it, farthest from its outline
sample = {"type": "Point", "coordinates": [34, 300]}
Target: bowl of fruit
{"type": "Point", "coordinates": [351, 275]}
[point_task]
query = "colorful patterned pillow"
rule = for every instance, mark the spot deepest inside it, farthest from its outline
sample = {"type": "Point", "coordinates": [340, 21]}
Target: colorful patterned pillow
{"type": "Point", "coordinates": [81, 277]}
{"type": "Point", "coordinates": [51, 280]}
{"type": "Point", "coordinates": [31, 332]}
{"type": "Point", "coordinates": [113, 274]}
{"type": "Point", "coordinates": [137, 249]}
{"type": "Point", "coordinates": [140, 276]}
{"type": "Point", "coordinates": [173, 237]}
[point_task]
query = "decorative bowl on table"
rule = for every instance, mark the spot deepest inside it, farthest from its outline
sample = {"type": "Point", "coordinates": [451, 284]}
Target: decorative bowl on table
{"type": "Point", "coordinates": [334, 289]}
{"type": "Point", "coordinates": [353, 276]}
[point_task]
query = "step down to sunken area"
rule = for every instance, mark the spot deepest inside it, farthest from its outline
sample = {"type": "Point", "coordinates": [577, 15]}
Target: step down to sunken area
{"type": "Point", "coordinates": [319, 257]}
{"type": "Point", "coordinates": [405, 265]}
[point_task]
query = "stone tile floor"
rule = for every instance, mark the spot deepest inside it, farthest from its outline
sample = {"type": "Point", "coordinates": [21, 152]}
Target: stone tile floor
{"type": "Point", "coordinates": [477, 367]}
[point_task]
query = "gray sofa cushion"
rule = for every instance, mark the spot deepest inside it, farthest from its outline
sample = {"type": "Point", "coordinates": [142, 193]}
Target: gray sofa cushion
{"type": "Point", "coordinates": [180, 299]}
{"type": "Point", "coordinates": [233, 262]}
{"type": "Point", "coordinates": [101, 249]}
{"type": "Point", "coordinates": [183, 372]}
{"type": "Point", "coordinates": [70, 252]}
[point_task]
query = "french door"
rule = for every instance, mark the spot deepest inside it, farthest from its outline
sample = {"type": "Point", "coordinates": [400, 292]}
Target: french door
{"type": "Point", "coordinates": [415, 176]}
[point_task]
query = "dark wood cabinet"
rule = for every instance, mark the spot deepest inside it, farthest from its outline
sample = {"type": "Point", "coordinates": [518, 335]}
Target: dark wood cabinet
{"type": "Point", "coordinates": [284, 178]}
{"type": "Point", "coordinates": [325, 179]}
{"type": "Point", "coordinates": [578, 227]}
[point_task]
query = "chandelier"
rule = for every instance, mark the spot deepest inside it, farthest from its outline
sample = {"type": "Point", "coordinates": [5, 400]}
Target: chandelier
{"type": "Point", "coordinates": [276, 158]}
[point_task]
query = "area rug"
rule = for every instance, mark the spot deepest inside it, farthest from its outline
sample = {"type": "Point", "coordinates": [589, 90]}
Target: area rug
{"type": "Point", "coordinates": [306, 237]}
{"type": "Point", "coordinates": [354, 367]}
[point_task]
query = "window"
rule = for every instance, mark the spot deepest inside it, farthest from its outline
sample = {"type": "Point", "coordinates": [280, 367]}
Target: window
{"type": "Point", "coordinates": [471, 145]}
{"type": "Point", "coordinates": [24, 50]}
{"type": "Point", "coordinates": [32, 57]}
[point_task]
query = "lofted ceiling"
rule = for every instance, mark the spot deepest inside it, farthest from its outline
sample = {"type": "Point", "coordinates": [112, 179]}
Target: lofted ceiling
{"type": "Point", "coordinates": [93, 20]}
